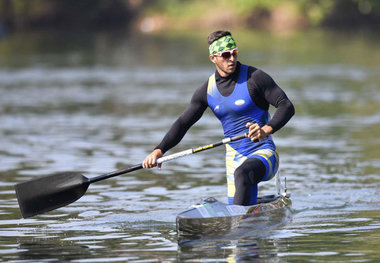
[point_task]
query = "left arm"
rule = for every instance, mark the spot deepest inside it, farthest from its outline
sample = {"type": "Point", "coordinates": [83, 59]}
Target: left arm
{"type": "Point", "coordinates": [266, 92]}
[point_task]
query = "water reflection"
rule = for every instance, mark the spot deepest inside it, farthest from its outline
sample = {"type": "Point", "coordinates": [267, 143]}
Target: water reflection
{"type": "Point", "coordinates": [240, 250]}
{"type": "Point", "coordinates": [48, 250]}
{"type": "Point", "coordinates": [102, 103]}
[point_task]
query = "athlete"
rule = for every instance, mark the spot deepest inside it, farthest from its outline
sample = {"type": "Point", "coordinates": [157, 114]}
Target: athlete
{"type": "Point", "coordinates": [239, 95]}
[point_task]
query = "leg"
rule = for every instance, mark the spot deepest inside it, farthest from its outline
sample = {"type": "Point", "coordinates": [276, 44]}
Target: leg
{"type": "Point", "coordinates": [247, 176]}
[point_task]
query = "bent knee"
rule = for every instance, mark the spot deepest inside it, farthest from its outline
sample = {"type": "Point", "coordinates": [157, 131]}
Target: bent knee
{"type": "Point", "coordinates": [241, 177]}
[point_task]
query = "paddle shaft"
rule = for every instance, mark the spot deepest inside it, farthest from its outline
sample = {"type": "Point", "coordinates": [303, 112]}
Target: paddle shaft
{"type": "Point", "coordinates": [50, 192]}
{"type": "Point", "coordinates": [168, 158]}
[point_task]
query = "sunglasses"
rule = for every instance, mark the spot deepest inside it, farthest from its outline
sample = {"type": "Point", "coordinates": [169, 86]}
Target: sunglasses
{"type": "Point", "coordinates": [227, 54]}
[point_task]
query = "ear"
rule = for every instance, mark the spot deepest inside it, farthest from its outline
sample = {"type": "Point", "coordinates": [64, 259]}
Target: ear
{"type": "Point", "coordinates": [212, 58]}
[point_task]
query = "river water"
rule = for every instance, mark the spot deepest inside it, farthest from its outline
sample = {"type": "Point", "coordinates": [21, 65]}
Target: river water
{"type": "Point", "coordinates": [97, 102]}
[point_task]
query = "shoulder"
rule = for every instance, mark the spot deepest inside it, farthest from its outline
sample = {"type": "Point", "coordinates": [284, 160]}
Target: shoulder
{"type": "Point", "coordinates": [258, 74]}
{"type": "Point", "coordinates": [200, 95]}
{"type": "Point", "coordinates": [259, 78]}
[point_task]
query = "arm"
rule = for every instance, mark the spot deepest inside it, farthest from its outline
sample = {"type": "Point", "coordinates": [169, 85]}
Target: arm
{"type": "Point", "coordinates": [266, 92]}
{"type": "Point", "coordinates": [179, 128]}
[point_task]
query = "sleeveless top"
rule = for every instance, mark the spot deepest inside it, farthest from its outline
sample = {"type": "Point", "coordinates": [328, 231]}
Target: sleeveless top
{"type": "Point", "coordinates": [235, 110]}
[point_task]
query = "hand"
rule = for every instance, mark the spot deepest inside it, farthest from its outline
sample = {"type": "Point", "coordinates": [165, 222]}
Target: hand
{"type": "Point", "coordinates": [256, 133]}
{"type": "Point", "coordinates": [151, 160]}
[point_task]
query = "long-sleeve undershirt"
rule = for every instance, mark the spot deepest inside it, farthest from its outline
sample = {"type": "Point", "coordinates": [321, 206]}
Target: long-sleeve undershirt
{"type": "Point", "coordinates": [262, 89]}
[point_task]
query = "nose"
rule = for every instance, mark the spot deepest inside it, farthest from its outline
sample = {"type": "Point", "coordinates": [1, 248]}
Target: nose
{"type": "Point", "coordinates": [233, 58]}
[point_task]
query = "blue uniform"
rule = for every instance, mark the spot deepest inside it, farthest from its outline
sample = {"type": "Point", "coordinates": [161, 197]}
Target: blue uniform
{"type": "Point", "coordinates": [244, 96]}
{"type": "Point", "coordinates": [234, 111]}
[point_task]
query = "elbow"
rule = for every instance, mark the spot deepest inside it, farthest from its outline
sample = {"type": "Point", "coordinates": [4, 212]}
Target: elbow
{"type": "Point", "coordinates": [291, 108]}
{"type": "Point", "coordinates": [288, 107]}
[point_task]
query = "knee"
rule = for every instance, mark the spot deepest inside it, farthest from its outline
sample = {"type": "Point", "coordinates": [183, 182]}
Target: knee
{"type": "Point", "coordinates": [241, 178]}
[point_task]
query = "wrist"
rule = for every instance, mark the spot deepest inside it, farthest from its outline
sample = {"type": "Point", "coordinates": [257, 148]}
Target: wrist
{"type": "Point", "coordinates": [158, 151]}
{"type": "Point", "coordinates": [267, 129]}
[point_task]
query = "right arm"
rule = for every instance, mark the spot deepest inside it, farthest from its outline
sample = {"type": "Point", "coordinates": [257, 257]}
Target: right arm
{"type": "Point", "coordinates": [179, 128]}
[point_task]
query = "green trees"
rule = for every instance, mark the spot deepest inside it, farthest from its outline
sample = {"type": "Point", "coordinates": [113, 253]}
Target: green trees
{"type": "Point", "coordinates": [25, 14]}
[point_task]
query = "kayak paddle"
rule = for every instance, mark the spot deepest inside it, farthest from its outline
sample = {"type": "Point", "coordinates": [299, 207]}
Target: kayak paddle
{"type": "Point", "coordinates": [50, 192]}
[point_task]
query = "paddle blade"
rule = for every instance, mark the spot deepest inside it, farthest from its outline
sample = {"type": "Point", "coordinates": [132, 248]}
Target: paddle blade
{"type": "Point", "coordinates": [50, 192]}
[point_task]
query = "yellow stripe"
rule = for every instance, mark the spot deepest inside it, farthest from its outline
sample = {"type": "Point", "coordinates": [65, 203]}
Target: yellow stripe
{"type": "Point", "coordinates": [203, 148]}
{"type": "Point", "coordinates": [234, 160]}
{"type": "Point", "coordinates": [211, 84]}
{"type": "Point", "coordinates": [231, 164]}
{"type": "Point", "coordinates": [266, 154]}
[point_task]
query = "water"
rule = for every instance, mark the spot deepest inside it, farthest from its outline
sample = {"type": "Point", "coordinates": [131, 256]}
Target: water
{"type": "Point", "coordinates": [97, 102]}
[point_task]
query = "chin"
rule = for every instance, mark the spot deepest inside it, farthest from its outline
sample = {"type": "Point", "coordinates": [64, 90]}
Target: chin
{"type": "Point", "coordinates": [231, 70]}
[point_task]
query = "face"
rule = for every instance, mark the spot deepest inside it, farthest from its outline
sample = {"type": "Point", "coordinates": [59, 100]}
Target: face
{"type": "Point", "coordinates": [225, 63]}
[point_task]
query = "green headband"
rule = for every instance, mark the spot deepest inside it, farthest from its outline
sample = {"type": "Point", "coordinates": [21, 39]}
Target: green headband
{"type": "Point", "coordinates": [222, 44]}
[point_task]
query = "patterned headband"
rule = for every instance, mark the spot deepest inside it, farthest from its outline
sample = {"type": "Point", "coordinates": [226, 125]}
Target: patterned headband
{"type": "Point", "coordinates": [222, 44]}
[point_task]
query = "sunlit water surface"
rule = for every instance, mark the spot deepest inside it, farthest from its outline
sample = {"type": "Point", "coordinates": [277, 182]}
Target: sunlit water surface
{"type": "Point", "coordinates": [98, 103]}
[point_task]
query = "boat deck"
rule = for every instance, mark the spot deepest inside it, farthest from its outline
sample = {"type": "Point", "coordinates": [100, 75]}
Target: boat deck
{"type": "Point", "coordinates": [212, 218]}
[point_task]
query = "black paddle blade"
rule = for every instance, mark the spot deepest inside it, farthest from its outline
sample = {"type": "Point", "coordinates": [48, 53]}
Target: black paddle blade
{"type": "Point", "coordinates": [47, 193]}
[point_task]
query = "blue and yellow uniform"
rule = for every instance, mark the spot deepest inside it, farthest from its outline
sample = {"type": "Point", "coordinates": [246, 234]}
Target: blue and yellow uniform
{"type": "Point", "coordinates": [234, 111]}
{"type": "Point", "coordinates": [242, 97]}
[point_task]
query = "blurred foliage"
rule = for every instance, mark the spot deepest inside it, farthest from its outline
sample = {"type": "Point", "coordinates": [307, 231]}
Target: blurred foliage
{"type": "Point", "coordinates": [333, 13]}
{"type": "Point", "coordinates": [26, 14]}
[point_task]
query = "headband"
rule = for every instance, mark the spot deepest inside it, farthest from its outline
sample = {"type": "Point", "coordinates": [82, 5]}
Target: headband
{"type": "Point", "coordinates": [222, 44]}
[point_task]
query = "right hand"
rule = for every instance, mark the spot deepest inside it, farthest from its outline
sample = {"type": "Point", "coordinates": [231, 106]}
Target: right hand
{"type": "Point", "coordinates": [151, 160]}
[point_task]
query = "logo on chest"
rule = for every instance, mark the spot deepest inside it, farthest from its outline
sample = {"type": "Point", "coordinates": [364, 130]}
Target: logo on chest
{"type": "Point", "coordinates": [239, 102]}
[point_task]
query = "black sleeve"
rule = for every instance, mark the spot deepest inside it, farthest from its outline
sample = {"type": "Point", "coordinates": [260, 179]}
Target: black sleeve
{"type": "Point", "coordinates": [190, 116]}
{"type": "Point", "coordinates": [266, 89]}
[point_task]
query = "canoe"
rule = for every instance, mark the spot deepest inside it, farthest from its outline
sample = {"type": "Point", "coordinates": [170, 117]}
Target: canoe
{"type": "Point", "coordinates": [212, 218]}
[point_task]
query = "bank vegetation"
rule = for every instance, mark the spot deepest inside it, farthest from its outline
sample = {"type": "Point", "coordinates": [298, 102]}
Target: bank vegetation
{"type": "Point", "coordinates": [155, 15]}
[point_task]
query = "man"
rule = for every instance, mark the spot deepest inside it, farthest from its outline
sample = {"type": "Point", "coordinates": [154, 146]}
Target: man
{"type": "Point", "coordinates": [239, 96]}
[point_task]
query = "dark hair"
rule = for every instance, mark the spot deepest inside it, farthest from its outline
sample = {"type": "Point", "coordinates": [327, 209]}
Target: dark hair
{"type": "Point", "coordinates": [216, 35]}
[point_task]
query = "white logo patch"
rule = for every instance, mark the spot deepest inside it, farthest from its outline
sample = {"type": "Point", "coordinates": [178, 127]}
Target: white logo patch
{"type": "Point", "coordinates": [216, 107]}
{"type": "Point", "coordinates": [239, 102]}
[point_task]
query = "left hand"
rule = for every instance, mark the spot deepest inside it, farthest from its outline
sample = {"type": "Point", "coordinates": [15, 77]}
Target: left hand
{"type": "Point", "coordinates": [256, 133]}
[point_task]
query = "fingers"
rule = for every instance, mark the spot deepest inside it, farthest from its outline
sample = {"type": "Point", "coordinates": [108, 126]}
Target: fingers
{"type": "Point", "coordinates": [151, 160]}
{"type": "Point", "coordinates": [255, 133]}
